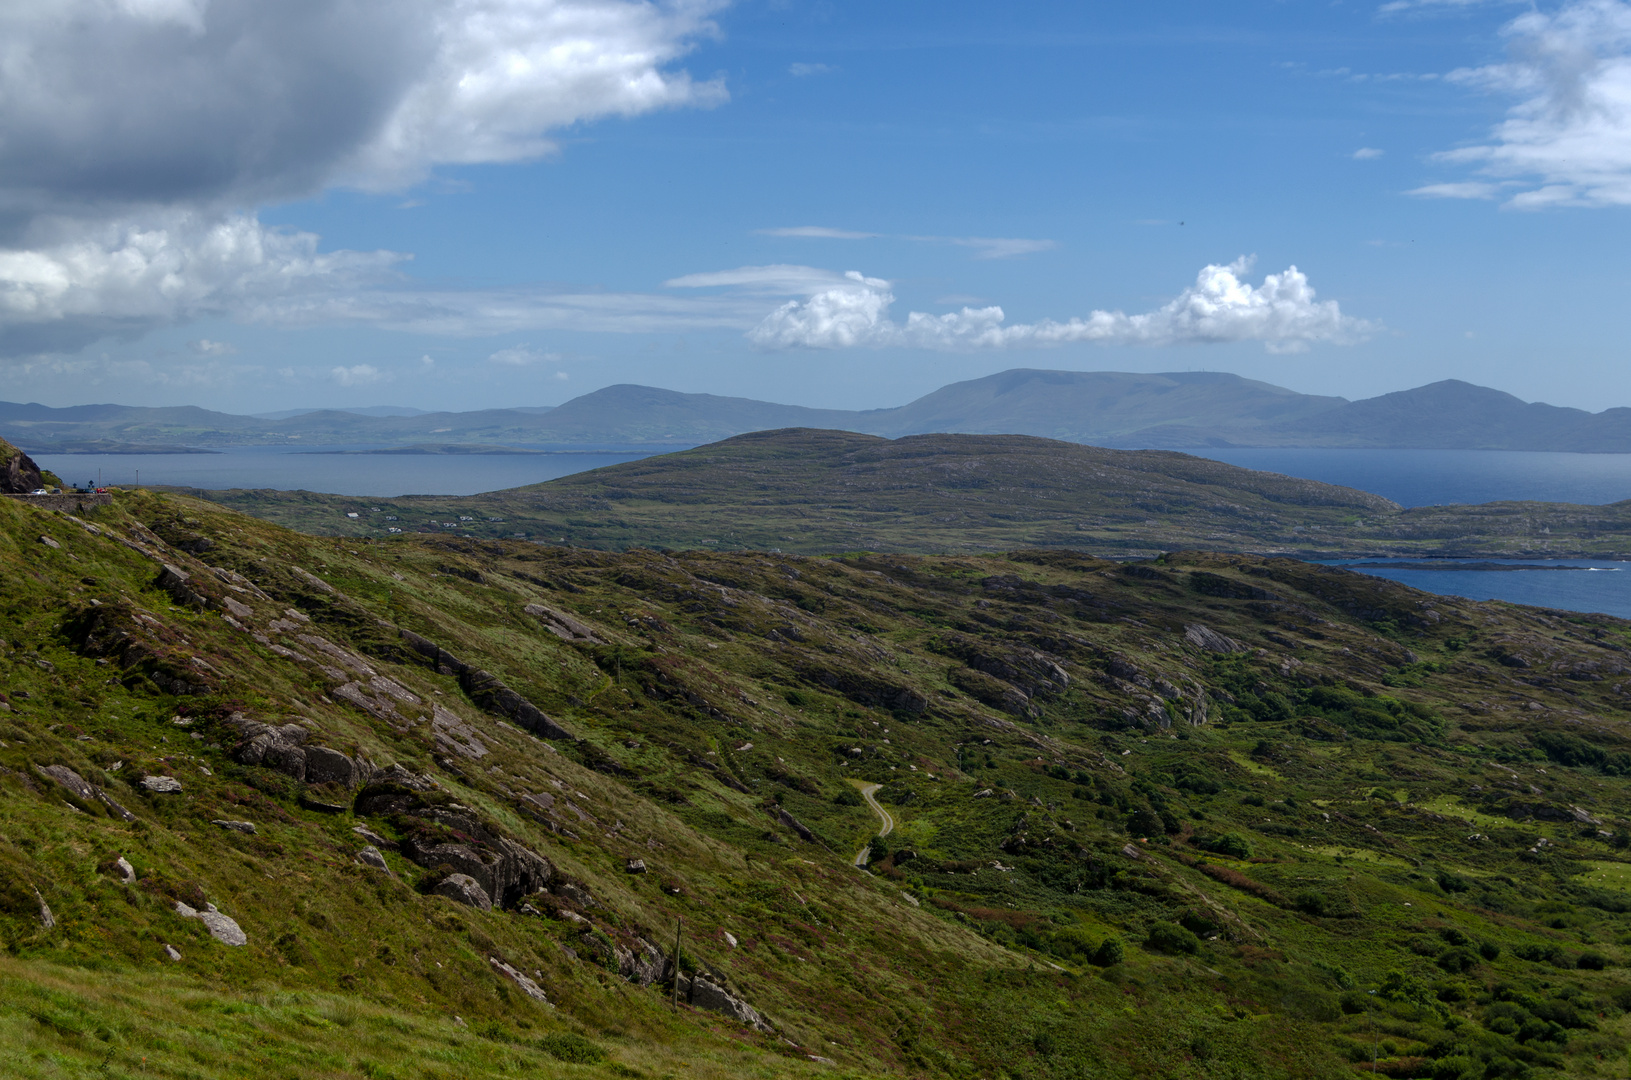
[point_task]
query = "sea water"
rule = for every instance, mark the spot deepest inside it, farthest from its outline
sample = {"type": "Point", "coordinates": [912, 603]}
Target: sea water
{"type": "Point", "coordinates": [364, 474]}
{"type": "Point", "coordinates": [1599, 585]}
{"type": "Point", "coordinates": [1441, 477]}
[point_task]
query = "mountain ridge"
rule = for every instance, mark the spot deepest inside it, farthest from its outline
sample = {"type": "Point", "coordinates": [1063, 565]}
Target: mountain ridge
{"type": "Point", "coordinates": [1172, 410]}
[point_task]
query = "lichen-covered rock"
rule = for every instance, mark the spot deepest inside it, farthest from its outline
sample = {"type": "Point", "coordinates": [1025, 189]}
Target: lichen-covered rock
{"type": "Point", "coordinates": [506, 871]}
{"type": "Point", "coordinates": [82, 789]}
{"type": "Point", "coordinates": [528, 987]}
{"type": "Point", "coordinates": [221, 927]}
{"type": "Point", "coordinates": [703, 993]}
{"type": "Point", "coordinates": [370, 856]}
{"type": "Point", "coordinates": [162, 785]}
{"type": "Point", "coordinates": [464, 889]}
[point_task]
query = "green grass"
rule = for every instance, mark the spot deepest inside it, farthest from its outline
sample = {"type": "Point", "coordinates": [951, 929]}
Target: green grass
{"type": "Point", "coordinates": [721, 686]}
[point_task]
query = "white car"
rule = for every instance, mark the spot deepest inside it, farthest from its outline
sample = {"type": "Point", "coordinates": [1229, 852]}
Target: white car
{"type": "Point", "coordinates": [39, 491]}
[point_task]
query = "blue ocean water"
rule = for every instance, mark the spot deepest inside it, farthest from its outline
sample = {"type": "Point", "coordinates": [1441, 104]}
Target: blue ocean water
{"type": "Point", "coordinates": [1438, 477]}
{"type": "Point", "coordinates": [1598, 585]}
{"type": "Point", "coordinates": [379, 475]}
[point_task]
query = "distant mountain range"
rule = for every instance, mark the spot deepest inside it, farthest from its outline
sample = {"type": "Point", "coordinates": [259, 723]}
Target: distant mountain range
{"type": "Point", "coordinates": [1175, 410]}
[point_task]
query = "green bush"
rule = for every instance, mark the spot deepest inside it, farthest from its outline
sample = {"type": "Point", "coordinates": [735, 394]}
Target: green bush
{"type": "Point", "coordinates": [1109, 953]}
{"type": "Point", "coordinates": [1171, 938]}
{"type": "Point", "coordinates": [1591, 960]}
{"type": "Point", "coordinates": [1311, 902]}
{"type": "Point", "coordinates": [572, 1048]}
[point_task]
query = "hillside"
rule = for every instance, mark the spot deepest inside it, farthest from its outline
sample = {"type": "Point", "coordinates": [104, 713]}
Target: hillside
{"type": "Point", "coordinates": [815, 491]}
{"type": "Point", "coordinates": [1174, 410]}
{"type": "Point", "coordinates": [823, 491]}
{"type": "Point", "coordinates": [1202, 816]}
{"type": "Point", "coordinates": [1112, 408]}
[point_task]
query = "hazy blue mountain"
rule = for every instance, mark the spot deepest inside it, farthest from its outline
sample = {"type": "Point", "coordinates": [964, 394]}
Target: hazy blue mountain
{"type": "Point", "coordinates": [368, 410]}
{"type": "Point", "coordinates": [1170, 410]}
{"type": "Point", "coordinates": [1184, 408]}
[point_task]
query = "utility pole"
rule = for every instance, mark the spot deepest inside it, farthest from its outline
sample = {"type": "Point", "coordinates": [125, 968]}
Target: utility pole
{"type": "Point", "coordinates": [675, 1003]}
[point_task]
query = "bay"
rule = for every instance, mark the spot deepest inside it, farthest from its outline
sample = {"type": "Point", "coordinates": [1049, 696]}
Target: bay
{"type": "Point", "coordinates": [362, 474]}
{"type": "Point", "coordinates": [1442, 477]}
{"type": "Point", "coordinates": [1600, 585]}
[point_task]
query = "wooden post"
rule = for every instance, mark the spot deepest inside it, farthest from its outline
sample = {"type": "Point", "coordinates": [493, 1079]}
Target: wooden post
{"type": "Point", "coordinates": [675, 1003]}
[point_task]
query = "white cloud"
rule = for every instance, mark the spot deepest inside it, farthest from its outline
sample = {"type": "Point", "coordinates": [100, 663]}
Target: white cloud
{"type": "Point", "coordinates": [427, 361]}
{"type": "Point", "coordinates": [144, 102]}
{"type": "Point", "coordinates": [358, 375]}
{"type": "Point", "coordinates": [136, 131]}
{"type": "Point", "coordinates": [1467, 189]}
{"type": "Point", "coordinates": [985, 247]}
{"type": "Point", "coordinates": [1567, 141]}
{"type": "Point", "coordinates": [1367, 153]}
{"type": "Point", "coordinates": [86, 281]}
{"type": "Point", "coordinates": [1394, 7]}
{"type": "Point", "coordinates": [1282, 313]}
{"type": "Point", "coordinates": [990, 247]}
{"type": "Point", "coordinates": [800, 71]}
{"type": "Point", "coordinates": [818, 232]}
{"type": "Point", "coordinates": [523, 356]}
{"type": "Point", "coordinates": [206, 347]}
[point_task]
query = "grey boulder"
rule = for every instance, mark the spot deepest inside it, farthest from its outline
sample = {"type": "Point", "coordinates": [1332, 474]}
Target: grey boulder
{"type": "Point", "coordinates": [464, 889]}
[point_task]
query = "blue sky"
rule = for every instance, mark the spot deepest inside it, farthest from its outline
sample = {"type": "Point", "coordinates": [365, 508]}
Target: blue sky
{"type": "Point", "coordinates": [252, 207]}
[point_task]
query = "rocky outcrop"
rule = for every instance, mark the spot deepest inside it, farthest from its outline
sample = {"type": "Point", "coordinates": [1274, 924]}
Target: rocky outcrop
{"type": "Point", "coordinates": [704, 993]}
{"type": "Point", "coordinates": [221, 928]}
{"type": "Point", "coordinates": [486, 689]}
{"type": "Point", "coordinates": [506, 871]}
{"type": "Point", "coordinates": [527, 986]}
{"type": "Point", "coordinates": [283, 748]}
{"type": "Point", "coordinates": [463, 889]}
{"type": "Point", "coordinates": [563, 625]}
{"type": "Point", "coordinates": [18, 473]}
{"type": "Point", "coordinates": [83, 790]}
{"type": "Point", "coordinates": [1204, 637]}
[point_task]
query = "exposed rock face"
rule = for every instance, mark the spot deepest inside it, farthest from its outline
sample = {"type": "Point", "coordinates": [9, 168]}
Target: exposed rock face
{"type": "Point", "coordinates": [795, 824]}
{"type": "Point", "coordinates": [370, 856]}
{"type": "Point", "coordinates": [162, 785]}
{"type": "Point", "coordinates": [178, 583]}
{"type": "Point", "coordinates": [504, 869]}
{"type": "Point", "coordinates": [464, 889]}
{"type": "Point", "coordinates": [18, 473]}
{"type": "Point", "coordinates": [283, 748]}
{"type": "Point", "coordinates": [486, 690]}
{"type": "Point", "coordinates": [528, 987]}
{"type": "Point", "coordinates": [704, 993]}
{"type": "Point", "coordinates": [82, 789]}
{"type": "Point", "coordinates": [642, 965]}
{"type": "Point", "coordinates": [1204, 637]}
{"type": "Point", "coordinates": [562, 625]}
{"type": "Point", "coordinates": [221, 928]}
{"type": "Point", "coordinates": [48, 921]}
{"type": "Point", "coordinates": [236, 826]}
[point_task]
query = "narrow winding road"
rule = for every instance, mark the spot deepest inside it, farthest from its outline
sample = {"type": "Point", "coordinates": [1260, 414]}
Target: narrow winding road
{"type": "Point", "coordinates": [863, 856]}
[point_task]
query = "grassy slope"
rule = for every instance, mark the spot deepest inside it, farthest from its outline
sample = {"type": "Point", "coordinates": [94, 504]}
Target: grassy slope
{"type": "Point", "coordinates": [809, 491]}
{"type": "Point", "coordinates": [1330, 812]}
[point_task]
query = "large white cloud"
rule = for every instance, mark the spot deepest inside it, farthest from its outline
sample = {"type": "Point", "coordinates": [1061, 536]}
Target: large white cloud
{"type": "Point", "coordinates": [137, 137]}
{"type": "Point", "coordinates": [85, 280]}
{"type": "Point", "coordinates": [1282, 312]}
{"type": "Point", "coordinates": [150, 102]}
{"type": "Point", "coordinates": [1567, 141]}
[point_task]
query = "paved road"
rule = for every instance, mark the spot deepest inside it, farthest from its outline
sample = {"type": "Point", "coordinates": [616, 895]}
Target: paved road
{"type": "Point", "coordinates": [862, 856]}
